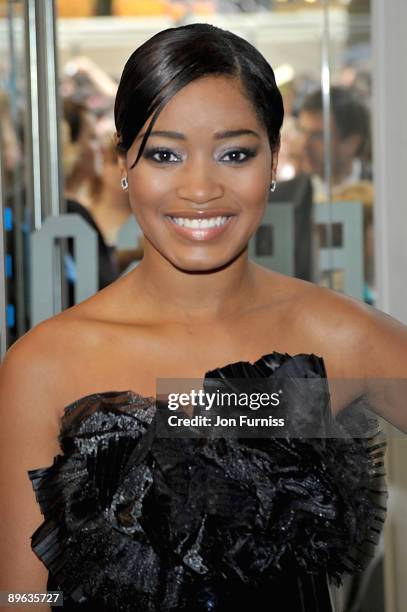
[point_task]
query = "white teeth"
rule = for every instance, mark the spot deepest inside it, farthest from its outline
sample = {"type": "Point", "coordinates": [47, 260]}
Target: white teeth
{"type": "Point", "coordinates": [199, 223]}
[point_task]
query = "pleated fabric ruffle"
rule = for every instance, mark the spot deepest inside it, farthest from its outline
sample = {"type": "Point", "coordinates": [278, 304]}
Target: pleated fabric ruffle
{"type": "Point", "coordinates": [133, 521]}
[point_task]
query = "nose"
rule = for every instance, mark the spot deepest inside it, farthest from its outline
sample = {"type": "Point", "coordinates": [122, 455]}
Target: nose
{"type": "Point", "coordinates": [199, 182]}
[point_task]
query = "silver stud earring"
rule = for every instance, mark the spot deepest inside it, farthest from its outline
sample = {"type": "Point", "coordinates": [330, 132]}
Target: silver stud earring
{"type": "Point", "coordinates": [273, 185]}
{"type": "Point", "coordinates": [124, 183]}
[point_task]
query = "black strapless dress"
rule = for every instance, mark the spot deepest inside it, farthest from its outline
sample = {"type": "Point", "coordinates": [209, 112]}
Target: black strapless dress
{"type": "Point", "coordinates": [134, 522]}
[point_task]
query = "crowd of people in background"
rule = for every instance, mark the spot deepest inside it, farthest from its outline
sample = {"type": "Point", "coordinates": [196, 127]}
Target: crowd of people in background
{"type": "Point", "coordinates": [351, 177]}
{"type": "Point", "coordinates": [302, 149]}
{"type": "Point", "coordinates": [92, 179]}
{"type": "Point", "coordinates": [91, 175]}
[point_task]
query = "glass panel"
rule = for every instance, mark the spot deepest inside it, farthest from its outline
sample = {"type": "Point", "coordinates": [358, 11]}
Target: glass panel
{"type": "Point", "coordinates": [351, 110]}
{"type": "Point", "coordinates": [95, 38]}
{"type": "Point", "coordinates": [12, 151]}
{"type": "Point", "coordinates": [92, 53]}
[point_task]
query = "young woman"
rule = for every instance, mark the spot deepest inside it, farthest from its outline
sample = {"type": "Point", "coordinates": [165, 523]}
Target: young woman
{"type": "Point", "coordinates": [134, 521]}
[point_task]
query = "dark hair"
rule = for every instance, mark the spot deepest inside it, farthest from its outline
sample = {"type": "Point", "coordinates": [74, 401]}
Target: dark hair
{"type": "Point", "coordinates": [73, 114]}
{"type": "Point", "coordinates": [174, 57]}
{"type": "Point", "coordinates": [350, 114]}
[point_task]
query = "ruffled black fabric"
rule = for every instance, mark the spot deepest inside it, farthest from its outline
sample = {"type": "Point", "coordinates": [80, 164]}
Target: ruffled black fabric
{"type": "Point", "coordinates": [138, 522]}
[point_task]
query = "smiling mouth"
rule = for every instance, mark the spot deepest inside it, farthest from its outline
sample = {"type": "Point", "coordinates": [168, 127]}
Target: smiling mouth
{"type": "Point", "coordinates": [199, 223]}
{"type": "Point", "coordinates": [203, 229]}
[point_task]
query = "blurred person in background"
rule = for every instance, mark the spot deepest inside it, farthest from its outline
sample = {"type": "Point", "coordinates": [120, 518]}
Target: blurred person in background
{"type": "Point", "coordinates": [11, 150]}
{"type": "Point", "coordinates": [291, 152]}
{"type": "Point", "coordinates": [83, 159]}
{"type": "Point", "coordinates": [111, 208]}
{"type": "Point", "coordinates": [351, 177]}
{"type": "Point", "coordinates": [294, 91]}
{"type": "Point", "coordinates": [287, 166]}
{"type": "Point", "coordinates": [87, 83]}
{"type": "Point", "coordinates": [16, 217]}
{"type": "Point", "coordinates": [350, 140]}
{"type": "Point", "coordinates": [83, 167]}
{"type": "Point", "coordinates": [358, 79]}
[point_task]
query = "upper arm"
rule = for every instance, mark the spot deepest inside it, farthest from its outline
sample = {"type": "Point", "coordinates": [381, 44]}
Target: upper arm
{"type": "Point", "coordinates": [382, 356]}
{"type": "Point", "coordinates": [28, 440]}
{"type": "Point", "coordinates": [370, 347]}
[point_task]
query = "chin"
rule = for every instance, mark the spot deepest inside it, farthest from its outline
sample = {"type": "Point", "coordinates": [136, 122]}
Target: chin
{"type": "Point", "coordinates": [203, 264]}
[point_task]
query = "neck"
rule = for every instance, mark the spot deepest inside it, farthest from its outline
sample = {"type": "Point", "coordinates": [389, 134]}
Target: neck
{"type": "Point", "coordinates": [195, 297]}
{"type": "Point", "coordinates": [342, 172]}
{"type": "Point", "coordinates": [78, 194]}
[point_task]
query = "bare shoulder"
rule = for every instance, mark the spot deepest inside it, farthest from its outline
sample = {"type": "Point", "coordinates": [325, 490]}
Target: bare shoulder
{"type": "Point", "coordinates": [67, 356]}
{"type": "Point", "coordinates": [39, 365]}
{"type": "Point", "coordinates": [27, 357]}
{"type": "Point", "coordinates": [362, 343]}
{"type": "Point", "coordinates": [40, 349]}
{"type": "Point", "coordinates": [73, 329]}
{"type": "Point", "coordinates": [355, 339]}
{"type": "Point", "coordinates": [29, 441]}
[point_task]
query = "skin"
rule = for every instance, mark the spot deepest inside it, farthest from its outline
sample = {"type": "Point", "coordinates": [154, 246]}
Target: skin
{"type": "Point", "coordinates": [311, 139]}
{"type": "Point", "coordinates": [90, 163]}
{"type": "Point", "coordinates": [184, 292]}
{"type": "Point", "coordinates": [155, 189]}
{"type": "Point", "coordinates": [111, 208]}
{"type": "Point", "coordinates": [186, 309]}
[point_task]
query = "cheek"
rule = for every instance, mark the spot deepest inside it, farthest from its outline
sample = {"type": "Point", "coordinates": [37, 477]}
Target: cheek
{"type": "Point", "coordinates": [249, 182]}
{"type": "Point", "coordinates": [251, 188]}
{"type": "Point", "coordinates": [249, 193]}
{"type": "Point", "coordinates": [244, 189]}
{"type": "Point", "coordinates": [338, 149]}
{"type": "Point", "coordinates": [148, 195]}
{"type": "Point", "coordinates": [345, 150]}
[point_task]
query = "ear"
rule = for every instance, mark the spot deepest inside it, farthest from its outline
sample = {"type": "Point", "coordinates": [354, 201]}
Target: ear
{"type": "Point", "coordinates": [121, 157]}
{"type": "Point", "coordinates": [121, 162]}
{"type": "Point", "coordinates": [274, 163]}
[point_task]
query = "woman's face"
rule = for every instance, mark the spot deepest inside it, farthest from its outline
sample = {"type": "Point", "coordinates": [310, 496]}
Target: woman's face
{"type": "Point", "coordinates": [208, 157]}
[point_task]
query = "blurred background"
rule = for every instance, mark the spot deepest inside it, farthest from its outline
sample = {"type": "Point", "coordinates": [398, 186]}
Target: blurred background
{"type": "Point", "coordinates": [67, 229]}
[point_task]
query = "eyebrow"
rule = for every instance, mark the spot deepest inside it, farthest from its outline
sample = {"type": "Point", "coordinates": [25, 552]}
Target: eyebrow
{"type": "Point", "coordinates": [217, 135]}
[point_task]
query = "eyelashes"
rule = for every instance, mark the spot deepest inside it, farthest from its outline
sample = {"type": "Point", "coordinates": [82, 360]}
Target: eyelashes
{"type": "Point", "coordinates": [167, 155]}
{"type": "Point", "coordinates": [151, 154]}
{"type": "Point", "coordinates": [247, 152]}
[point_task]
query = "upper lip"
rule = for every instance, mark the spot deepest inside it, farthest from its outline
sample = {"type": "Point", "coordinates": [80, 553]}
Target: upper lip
{"type": "Point", "coordinates": [201, 214]}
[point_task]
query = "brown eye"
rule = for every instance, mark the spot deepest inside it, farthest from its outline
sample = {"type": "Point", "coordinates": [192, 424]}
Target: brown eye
{"type": "Point", "coordinates": [236, 155]}
{"type": "Point", "coordinates": [161, 155]}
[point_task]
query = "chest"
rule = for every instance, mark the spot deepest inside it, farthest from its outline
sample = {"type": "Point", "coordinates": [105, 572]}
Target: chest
{"type": "Point", "coordinates": [137, 360]}
{"type": "Point", "coordinates": [142, 358]}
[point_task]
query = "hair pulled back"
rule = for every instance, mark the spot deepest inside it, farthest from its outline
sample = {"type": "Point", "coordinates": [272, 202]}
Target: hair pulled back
{"type": "Point", "coordinates": [173, 58]}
